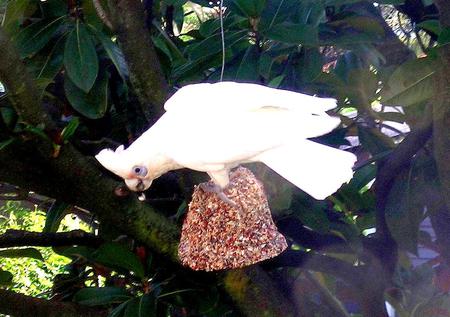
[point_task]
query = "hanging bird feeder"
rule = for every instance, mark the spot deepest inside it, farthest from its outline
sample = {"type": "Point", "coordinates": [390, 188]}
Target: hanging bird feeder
{"type": "Point", "coordinates": [217, 235]}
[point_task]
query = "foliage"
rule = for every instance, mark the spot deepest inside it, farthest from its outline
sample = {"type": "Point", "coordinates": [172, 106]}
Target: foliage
{"type": "Point", "coordinates": [31, 275]}
{"type": "Point", "coordinates": [330, 48]}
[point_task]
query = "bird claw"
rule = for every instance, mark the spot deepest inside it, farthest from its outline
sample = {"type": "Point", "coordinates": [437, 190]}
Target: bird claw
{"type": "Point", "coordinates": [213, 188]}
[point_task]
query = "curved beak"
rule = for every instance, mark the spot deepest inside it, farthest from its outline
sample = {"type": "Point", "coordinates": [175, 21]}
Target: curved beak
{"type": "Point", "coordinates": [137, 184]}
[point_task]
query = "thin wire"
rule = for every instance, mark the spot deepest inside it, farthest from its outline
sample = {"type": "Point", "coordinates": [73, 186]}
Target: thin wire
{"type": "Point", "coordinates": [222, 35]}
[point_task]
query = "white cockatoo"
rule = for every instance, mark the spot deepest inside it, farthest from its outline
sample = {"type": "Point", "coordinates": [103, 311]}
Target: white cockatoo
{"type": "Point", "coordinates": [215, 127]}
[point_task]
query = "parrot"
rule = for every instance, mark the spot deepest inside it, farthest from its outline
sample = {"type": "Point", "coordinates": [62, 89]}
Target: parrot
{"type": "Point", "coordinates": [215, 127]}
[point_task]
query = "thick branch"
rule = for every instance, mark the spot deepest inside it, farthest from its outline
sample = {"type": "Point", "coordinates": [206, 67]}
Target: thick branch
{"type": "Point", "coordinates": [22, 92]}
{"type": "Point", "coordinates": [441, 108]}
{"type": "Point", "coordinates": [253, 291]}
{"type": "Point", "coordinates": [19, 305]}
{"type": "Point", "coordinates": [127, 17]}
{"type": "Point", "coordinates": [20, 238]}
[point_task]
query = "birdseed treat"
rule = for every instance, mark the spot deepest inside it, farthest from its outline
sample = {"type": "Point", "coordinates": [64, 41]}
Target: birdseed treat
{"type": "Point", "coordinates": [217, 235]}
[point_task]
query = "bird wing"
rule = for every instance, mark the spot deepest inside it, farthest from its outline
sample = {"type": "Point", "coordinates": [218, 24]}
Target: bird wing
{"type": "Point", "coordinates": [315, 168]}
{"type": "Point", "coordinates": [237, 97]}
{"type": "Point", "coordinates": [198, 140]}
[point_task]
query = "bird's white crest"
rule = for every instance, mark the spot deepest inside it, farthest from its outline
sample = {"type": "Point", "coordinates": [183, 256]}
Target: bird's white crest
{"type": "Point", "coordinates": [114, 161]}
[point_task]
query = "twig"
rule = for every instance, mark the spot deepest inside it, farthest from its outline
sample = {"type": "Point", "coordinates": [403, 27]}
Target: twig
{"type": "Point", "coordinates": [16, 304]}
{"type": "Point", "coordinates": [222, 37]}
{"type": "Point", "coordinates": [21, 238]}
{"type": "Point", "coordinates": [102, 13]}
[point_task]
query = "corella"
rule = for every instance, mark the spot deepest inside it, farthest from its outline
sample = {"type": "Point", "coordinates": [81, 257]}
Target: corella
{"type": "Point", "coordinates": [216, 127]}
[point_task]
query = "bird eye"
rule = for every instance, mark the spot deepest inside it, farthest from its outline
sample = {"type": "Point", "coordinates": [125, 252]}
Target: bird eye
{"type": "Point", "coordinates": [140, 170]}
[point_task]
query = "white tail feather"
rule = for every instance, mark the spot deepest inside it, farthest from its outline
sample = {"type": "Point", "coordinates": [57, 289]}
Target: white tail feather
{"type": "Point", "coordinates": [317, 169]}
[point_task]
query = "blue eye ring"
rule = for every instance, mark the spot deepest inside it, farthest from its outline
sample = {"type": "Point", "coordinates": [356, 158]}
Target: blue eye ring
{"type": "Point", "coordinates": [140, 170]}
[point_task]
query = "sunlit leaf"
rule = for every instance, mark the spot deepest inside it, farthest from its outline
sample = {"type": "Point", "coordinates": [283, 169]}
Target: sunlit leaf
{"type": "Point", "coordinates": [55, 214]}
{"type": "Point", "coordinates": [21, 253]}
{"type": "Point", "coordinates": [411, 83]}
{"type": "Point", "coordinates": [80, 58]}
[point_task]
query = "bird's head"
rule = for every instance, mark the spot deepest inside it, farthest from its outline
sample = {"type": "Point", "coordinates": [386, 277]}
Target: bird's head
{"type": "Point", "coordinates": [122, 163]}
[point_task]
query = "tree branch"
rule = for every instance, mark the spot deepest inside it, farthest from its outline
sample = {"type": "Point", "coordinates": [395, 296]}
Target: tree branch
{"type": "Point", "coordinates": [21, 90]}
{"type": "Point", "coordinates": [128, 20]}
{"type": "Point", "coordinates": [20, 238]}
{"type": "Point", "coordinates": [441, 108]}
{"type": "Point", "coordinates": [19, 305]}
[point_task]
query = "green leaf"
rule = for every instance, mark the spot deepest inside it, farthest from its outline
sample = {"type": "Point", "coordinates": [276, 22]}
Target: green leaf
{"type": "Point", "coordinates": [4, 144]}
{"type": "Point", "coordinates": [5, 277]}
{"type": "Point", "coordinates": [444, 36]}
{"type": "Point", "coordinates": [116, 255]}
{"type": "Point", "coordinates": [430, 25]}
{"type": "Point", "coordinates": [9, 117]}
{"type": "Point", "coordinates": [374, 141]}
{"type": "Point", "coordinates": [70, 129]}
{"type": "Point", "coordinates": [144, 306]}
{"type": "Point", "coordinates": [13, 15]}
{"type": "Point", "coordinates": [78, 252]}
{"type": "Point", "coordinates": [405, 205]}
{"type": "Point", "coordinates": [22, 253]}
{"type": "Point", "coordinates": [249, 8]}
{"type": "Point", "coordinates": [310, 65]}
{"type": "Point", "coordinates": [213, 45]}
{"type": "Point", "coordinates": [248, 67]}
{"type": "Point", "coordinates": [55, 214]}
{"type": "Point", "coordinates": [93, 104]}
{"type": "Point", "coordinates": [118, 311]}
{"type": "Point", "coordinates": [80, 58]}
{"type": "Point", "coordinates": [113, 51]}
{"type": "Point", "coordinates": [411, 83]}
{"type": "Point", "coordinates": [288, 32]}
{"type": "Point", "coordinates": [93, 296]}
{"type": "Point", "coordinates": [53, 62]}
{"type": "Point", "coordinates": [360, 24]}
{"type": "Point", "coordinates": [276, 82]}
{"type": "Point", "coordinates": [34, 37]}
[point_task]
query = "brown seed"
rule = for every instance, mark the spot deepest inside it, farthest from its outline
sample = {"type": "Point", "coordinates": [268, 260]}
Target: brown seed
{"type": "Point", "coordinates": [217, 236]}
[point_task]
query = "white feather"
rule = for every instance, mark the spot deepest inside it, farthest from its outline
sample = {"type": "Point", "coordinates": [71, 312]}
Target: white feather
{"type": "Point", "coordinates": [317, 169]}
{"type": "Point", "coordinates": [215, 127]}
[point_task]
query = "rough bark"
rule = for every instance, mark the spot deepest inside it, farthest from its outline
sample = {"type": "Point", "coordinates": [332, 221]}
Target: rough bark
{"type": "Point", "coordinates": [128, 20]}
{"type": "Point", "coordinates": [441, 107]}
{"type": "Point", "coordinates": [20, 87]}
{"type": "Point", "coordinates": [20, 238]}
{"type": "Point", "coordinates": [248, 287]}
{"type": "Point", "coordinates": [18, 305]}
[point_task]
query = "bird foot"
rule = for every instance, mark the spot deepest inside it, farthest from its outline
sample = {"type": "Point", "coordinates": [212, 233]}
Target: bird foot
{"type": "Point", "coordinates": [213, 188]}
